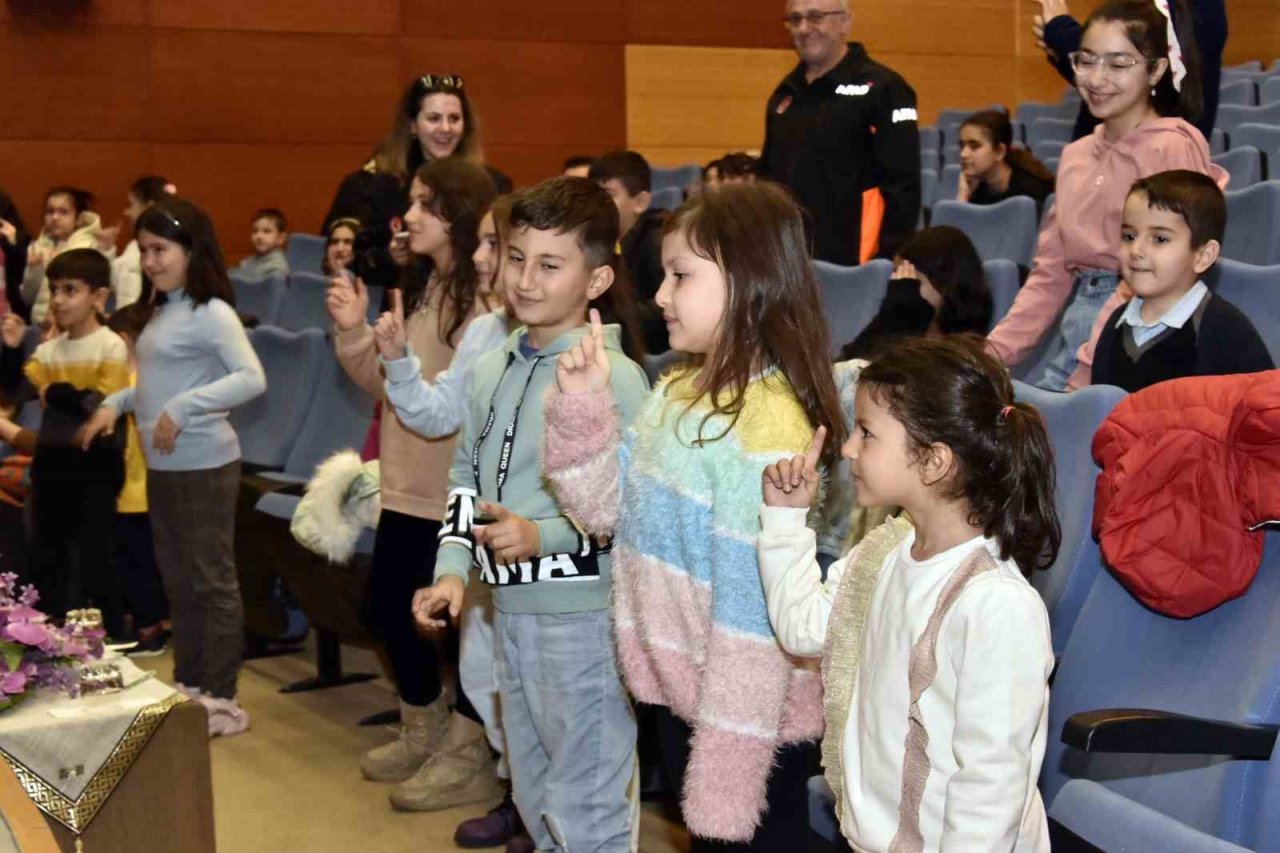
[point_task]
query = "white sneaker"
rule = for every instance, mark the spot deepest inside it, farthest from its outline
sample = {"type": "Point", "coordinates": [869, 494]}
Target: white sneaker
{"type": "Point", "coordinates": [226, 717]}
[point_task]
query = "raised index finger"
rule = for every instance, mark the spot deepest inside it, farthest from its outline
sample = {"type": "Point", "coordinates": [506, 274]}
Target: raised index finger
{"type": "Point", "coordinates": [397, 305]}
{"type": "Point", "coordinates": [814, 453]}
{"type": "Point", "coordinates": [597, 326]}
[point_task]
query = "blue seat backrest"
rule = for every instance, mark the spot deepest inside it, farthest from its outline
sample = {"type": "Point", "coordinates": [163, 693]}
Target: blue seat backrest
{"type": "Point", "coordinates": [851, 296]}
{"type": "Point", "coordinates": [1072, 420]}
{"type": "Point", "coordinates": [337, 419]}
{"type": "Point", "coordinates": [1241, 93]}
{"type": "Point", "coordinates": [305, 253]}
{"type": "Point", "coordinates": [948, 183]}
{"type": "Point", "coordinates": [928, 187]}
{"type": "Point", "coordinates": [268, 425]}
{"type": "Point", "coordinates": [1049, 149]}
{"type": "Point", "coordinates": [1004, 278]}
{"type": "Point", "coordinates": [1255, 290]}
{"type": "Point", "coordinates": [1231, 116]}
{"type": "Point", "coordinates": [1217, 141]}
{"type": "Point", "coordinates": [259, 298]}
{"type": "Point", "coordinates": [303, 303]}
{"type": "Point", "coordinates": [668, 198]}
{"type": "Point", "coordinates": [1244, 163]}
{"type": "Point", "coordinates": [1044, 130]}
{"type": "Point", "coordinates": [1252, 214]}
{"type": "Point", "coordinates": [1269, 91]}
{"type": "Point", "coordinates": [1029, 112]}
{"type": "Point", "coordinates": [1006, 230]}
{"type": "Point", "coordinates": [930, 159]}
{"type": "Point", "coordinates": [677, 177]}
{"type": "Point", "coordinates": [1223, 665]}
{"type": "Point", "coordinates": [931, 137]}
{"type": "Point", "coordinates": [1264, 137]}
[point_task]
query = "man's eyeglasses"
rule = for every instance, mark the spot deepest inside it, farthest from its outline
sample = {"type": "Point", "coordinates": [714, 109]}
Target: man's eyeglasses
{"type": "Point", "coordinates": [1112, 64]}
{"type": "Point", "coordinates": [813, 18]}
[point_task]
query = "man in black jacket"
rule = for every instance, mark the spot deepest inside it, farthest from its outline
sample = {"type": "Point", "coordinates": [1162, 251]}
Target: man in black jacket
{"type": "Point", "coordinates": [841, 132]}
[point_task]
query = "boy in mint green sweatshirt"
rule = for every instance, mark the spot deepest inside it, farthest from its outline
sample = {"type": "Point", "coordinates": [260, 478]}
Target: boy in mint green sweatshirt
{"type": "Point", "coordinates": [569, 725]}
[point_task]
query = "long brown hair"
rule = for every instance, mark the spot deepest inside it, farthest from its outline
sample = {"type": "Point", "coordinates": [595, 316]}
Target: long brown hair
{"type": "Point", "coordinates": [995, 125]}
{"type": "Point", "coordinates": [399, 153]}
{"type": "Point", "coordinates": [952, 391]}
{"type": "Point", "coordinates": [461, 193]}
{"type": "Point", "coordinates": [773, 314]}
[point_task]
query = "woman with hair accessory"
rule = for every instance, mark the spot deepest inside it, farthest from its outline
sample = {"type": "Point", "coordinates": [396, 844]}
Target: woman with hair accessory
{"type": "Point", "coordinates": [434, 119]}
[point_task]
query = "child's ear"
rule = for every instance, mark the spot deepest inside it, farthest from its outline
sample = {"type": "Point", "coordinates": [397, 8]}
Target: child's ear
{"type": "Point", "coordinates": [1207, 256]}
{"type": "Point", "coordinates": [100, 297]}
{"type": "Point", "coordinates": [935, 464]}
{"type": "Point", "coordinates": [642, 200]}
{"type": "Point", "coordinates": [601, 280]}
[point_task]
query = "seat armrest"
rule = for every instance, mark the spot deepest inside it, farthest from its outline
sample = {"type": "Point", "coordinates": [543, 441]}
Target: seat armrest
{"type": "Point", "coordinates": [1146, 731]}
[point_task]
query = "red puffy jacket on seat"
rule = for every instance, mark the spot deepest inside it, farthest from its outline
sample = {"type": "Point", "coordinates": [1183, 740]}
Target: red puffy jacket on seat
{"type": "Point", "coordinates": [1188, 467]}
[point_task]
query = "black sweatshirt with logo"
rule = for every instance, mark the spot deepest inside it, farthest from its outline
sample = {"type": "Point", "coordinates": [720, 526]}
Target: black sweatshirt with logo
{"type": "Point", "coordinates": [841, 144]}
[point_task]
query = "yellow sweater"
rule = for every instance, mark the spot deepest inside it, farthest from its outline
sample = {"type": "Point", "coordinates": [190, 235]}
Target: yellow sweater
{"type": "Point", "coordinates": [99, 362]}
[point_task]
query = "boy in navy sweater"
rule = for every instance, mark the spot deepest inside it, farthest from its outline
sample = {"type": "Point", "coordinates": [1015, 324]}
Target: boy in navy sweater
{"type": "Point", "coordinates": [1174, 327]}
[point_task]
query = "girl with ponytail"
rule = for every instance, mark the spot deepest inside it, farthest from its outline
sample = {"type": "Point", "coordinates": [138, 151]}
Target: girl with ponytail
{"type": "Point", "coordinates": [937, 665]}
{"type": "Point", "coordinates": [1138, 72]}
{"type": "Point", "coordinates": [992, 170]}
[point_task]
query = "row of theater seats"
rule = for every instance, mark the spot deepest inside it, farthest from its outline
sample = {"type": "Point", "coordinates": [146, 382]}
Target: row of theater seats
{"type": "Point", "coordinates": [851, 295]}
{"type": "Point", "coordinates": [294, 303]}
{"type": "Point", "coordinates": [1010, 228]}
{"type": "Point", "coordinates": [1153, 780]}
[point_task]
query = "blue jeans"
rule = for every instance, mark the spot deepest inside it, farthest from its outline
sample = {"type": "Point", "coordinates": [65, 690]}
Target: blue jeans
{"type": "Point", "coordinates": [570, 729]}
{"type": "Point", "coordinates": [1092, 290]}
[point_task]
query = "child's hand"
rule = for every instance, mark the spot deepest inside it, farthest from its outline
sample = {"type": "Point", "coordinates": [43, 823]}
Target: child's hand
{"type": "Point", "coordinates": [165, 434]}
{"type": "Point", "coordinates": [347, 302]}
{"type": "Point", "coordinates": [101, 422]}
{"type": "Point", "coordinates": [8, 231]}
{"type": "Point", "coordinates": [399, 249]}
{"type": "Point", "coordinates": [585, 368]}
{"type": "Point", "coordinates": [12, 330]}
{"type": "Point", "coordinates": [446, 592]}
{"type": "Point", "coordinates": [390, 333]}
{"type": "Point", "coordinates": [512, 537]}
{"type": "Point", "coordinates": [36, 257]}
{"type": "Point", "coordinates": [905, 269]}
{"type": "Point", "coordinates": [107, 238]}
{"type": "Point", "coordinates": [794, 482]}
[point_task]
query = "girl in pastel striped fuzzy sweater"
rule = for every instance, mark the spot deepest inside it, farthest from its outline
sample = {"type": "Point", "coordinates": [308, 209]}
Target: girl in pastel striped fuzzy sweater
{"type": "Point", "coordinates": [679, 491]}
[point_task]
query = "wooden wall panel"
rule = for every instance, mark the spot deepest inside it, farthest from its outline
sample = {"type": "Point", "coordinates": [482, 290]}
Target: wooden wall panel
{"type": "Point", "coordinates": [238, 87]}
{"type": "Point", "coordinates": [543, 93]}
{"type": "Point", "coordinates": [298, 179]}
{"type": "Point", "coordinates": [104, 168]}
{"type": "Point", "coordinates": [595, 21]}
{"type": "Point", "coordinates": [60, 85]}
{"type": "Point", "coordinates": [67, 14]}
{"type": "Point", "coordinates": [374, 17]}
{"type": "Point", "coordinates": [1254, 31]}
{"type": "Point", "coordinates": [716, 23]}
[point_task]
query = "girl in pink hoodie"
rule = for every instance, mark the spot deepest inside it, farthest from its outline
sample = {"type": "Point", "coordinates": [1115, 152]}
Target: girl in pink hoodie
{"type": "Point", "coordinates": [1143, 84]}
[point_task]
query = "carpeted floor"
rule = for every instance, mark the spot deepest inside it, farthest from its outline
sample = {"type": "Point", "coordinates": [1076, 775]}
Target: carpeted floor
{"type": "Point", "coordinates": [292, 783]}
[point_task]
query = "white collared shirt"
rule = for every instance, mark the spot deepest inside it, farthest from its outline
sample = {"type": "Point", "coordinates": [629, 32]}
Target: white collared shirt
{"type": "Point", "coordinates": [1175, 318]}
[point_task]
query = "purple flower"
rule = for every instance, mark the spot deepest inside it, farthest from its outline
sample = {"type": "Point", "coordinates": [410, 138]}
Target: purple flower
{"type": "Point", "coordinates": [12, 683]}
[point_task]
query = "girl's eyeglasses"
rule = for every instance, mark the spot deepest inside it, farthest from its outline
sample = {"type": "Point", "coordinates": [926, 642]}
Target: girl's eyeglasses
{"type": "Point", "coordinates": [1112, 64]}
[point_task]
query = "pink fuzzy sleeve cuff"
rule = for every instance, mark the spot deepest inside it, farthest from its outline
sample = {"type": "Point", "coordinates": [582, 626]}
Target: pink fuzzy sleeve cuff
{"type": "Point", "coordinates": [580, 457]}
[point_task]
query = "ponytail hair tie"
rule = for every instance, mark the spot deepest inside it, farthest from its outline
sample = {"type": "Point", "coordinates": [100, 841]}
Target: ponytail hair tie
{"type": "Point", "coordinates": [1004, 415]}
{"type": "Point", "coordinates": [1177, 65]}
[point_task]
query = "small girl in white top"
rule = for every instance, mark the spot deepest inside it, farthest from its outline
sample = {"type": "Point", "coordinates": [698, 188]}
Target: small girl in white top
{"type": "Point", "coordinates": [936, 652]}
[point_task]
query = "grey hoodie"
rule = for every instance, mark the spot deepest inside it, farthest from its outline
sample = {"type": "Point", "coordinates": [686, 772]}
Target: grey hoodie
{"type": "Point", "coordinates": [505, 414]}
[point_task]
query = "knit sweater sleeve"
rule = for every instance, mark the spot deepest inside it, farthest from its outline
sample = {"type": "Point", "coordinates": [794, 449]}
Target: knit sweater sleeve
{"type": "Point", "coordinates": [746, 675]}
{"type": "Point", "coordinates": [799, 601]}
{"type": "Point", "coordinates": [359, 358]}
{"type": "Point", "coordinates": [1038, 303]}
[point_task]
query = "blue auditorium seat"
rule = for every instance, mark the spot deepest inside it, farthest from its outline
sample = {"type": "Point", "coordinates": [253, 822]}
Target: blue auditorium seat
{"type": "Point", "coordinates": [851, 296]}
{"type": "Point", "coordinates": [930, 158]}
{"type": "Point", "coordinates": [1004, 278]}
{"type": "Point", "coordinates": [1172, 787]}
{"type": "Point", "coordinates": [268, 424]}
{"type": "Point", "coordinates": [1240, 93]}
{"type": "Point", "coordinates": [1006, 230]}
{"type": "Point", "coordinates": [259, 298]}
{"type": "Point", "coordinates": [305, 253]}
{"type": "Point", "coordinates": [948, 183]}
{"type": "Point", "coordinates": [928, 190]}
{"type": "Point", "coordinates": [1244, 163]}
{"type": "Point", "coordinates": [1230, 117]}
{"type": "Point", "coordinates": [1072, 419]}
{"type": "Point", "coordinates": [1264, 137]}
{"type": "Point", "coordinates": [1269, 90]}
{"type": "Point", "coordinates": [1255, 290]}
{"type": "Point", "coordinates": [1217, 141]}
{"type": "Point", "coordinates": [1049, 149]}
{"type": "Point", "coordinates": [1066, 111]}
{"type": "Point", "coordinates": [931, 137]}
{"type": "Point", "coordinates": [1044, 130]}
{"type": "Point", "coordinates": [1252, 214]}
{"type": "Point", "coordinates": [676, 178]}
{"type": "Point", "coordinates": [303, 304]}
{"type": "Point", "coordinates": [668, 198]}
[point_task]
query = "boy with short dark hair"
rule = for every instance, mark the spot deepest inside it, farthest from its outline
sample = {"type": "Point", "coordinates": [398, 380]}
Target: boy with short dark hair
{"type": "Point", "coordinates": [1174, 326]}
{"type": "Point", "coordinates": [568, 722]}
{"type": "Point", "coordinates": [269, 235]}
{"type": "Point", "coordinates": [74, 492]}
{"type": "Point", "coordinates": [626, 176]}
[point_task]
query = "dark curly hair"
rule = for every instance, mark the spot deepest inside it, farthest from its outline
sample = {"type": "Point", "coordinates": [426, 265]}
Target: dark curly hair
{"type": "Point", "coordinates": [952, 264]}
{"type": "Point", "coordinates": [952, 391]}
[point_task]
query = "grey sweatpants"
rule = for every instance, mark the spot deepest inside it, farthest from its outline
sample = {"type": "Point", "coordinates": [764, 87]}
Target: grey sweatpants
{"type": "Point", "coordinates": [570, 730]}
{"type": "Point", "coordinates": [193, 518]}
